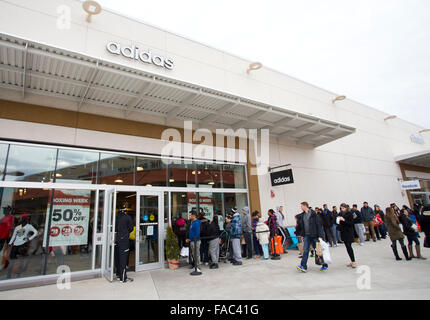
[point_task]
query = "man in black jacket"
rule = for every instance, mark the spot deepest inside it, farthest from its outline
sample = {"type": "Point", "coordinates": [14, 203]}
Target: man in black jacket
{"type": "Point", "coordinates": [309, 228]}
{"type": "Point", "coordinates": [328, 221]}
{"type": "Point", "coordinates": [123, 228]}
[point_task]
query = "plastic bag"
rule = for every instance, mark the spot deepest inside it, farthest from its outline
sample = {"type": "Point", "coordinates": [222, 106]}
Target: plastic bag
{"type": "Point", "coordinates": [185, 251]}
{"type": "Point", "coordinates": [325, 251]}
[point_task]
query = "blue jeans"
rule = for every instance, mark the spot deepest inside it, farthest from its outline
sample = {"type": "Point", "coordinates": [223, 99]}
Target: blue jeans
{"type": "Point", "coordinates": [307, 242]}
{"type": "Point", "coordinates": [257, 246]}
{"type": "Point", "coordinates": [265, 248]}
{"type": "Point", "coordinates": [336, 232]}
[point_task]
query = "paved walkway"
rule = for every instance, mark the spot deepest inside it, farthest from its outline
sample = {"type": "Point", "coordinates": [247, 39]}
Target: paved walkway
{"type": "Point", "coordinates": [258, 279]}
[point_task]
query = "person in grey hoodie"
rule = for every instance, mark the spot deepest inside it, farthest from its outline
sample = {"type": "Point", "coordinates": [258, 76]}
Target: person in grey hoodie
{"type": "Point", "coordinates": [367, 215]}
{"type": "Point", "coordinates": [280, 223]}
{"type": "Point", "coordinates": [247, 231]}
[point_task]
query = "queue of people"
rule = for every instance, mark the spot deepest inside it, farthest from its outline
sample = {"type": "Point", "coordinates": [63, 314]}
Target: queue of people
{"type": "Point", "coordinates": [247, 235]}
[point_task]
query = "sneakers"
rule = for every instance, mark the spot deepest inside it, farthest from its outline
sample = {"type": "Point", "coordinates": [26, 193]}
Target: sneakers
{"type": "Point", "coordinates": [237, 263]}
{"type": "Point", "coordinates": [214, 266]}
{"type": "Point", "coordinates": [336, 245]}
{"type": "Point", "coordinates": [127, 280]}
{"type": "Point", "coordinates": [324, 268]}
{"type": "Point", "coordinates": [302, 269]}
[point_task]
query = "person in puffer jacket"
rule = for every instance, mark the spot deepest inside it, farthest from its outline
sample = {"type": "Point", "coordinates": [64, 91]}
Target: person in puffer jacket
{"type": "Point", "coordinates": [262, 234]}
{"type": "Point", "coordinates": [236, 233]}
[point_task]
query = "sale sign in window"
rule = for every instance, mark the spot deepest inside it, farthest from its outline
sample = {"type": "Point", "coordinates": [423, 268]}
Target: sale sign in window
{"type": "Point", "coordinates": [70, 218]}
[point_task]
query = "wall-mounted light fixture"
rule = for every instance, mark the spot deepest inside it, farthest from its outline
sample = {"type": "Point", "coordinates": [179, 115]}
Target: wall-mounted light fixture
{"type": "Point", "coordinates": [390, 117]}
{"type": "Point", "coordinates": [92, 8]}
{"type": "Point", "coordinates": [424, 130]}
{"type": "Point", "coordinates": [338, 98]}
{"type": "Point", "coordinates": [254, 66]}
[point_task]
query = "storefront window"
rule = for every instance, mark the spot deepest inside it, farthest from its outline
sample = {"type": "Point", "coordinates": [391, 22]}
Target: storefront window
{"type": "Point", "coordinates": [210, 174]}
{"type": "Point", "coordinates": [31, 164]}
{"type": "Point", "coordinates": [116, 169]}
{"type": "Point", "coordinates": [74, 166]}
{"type": "Point", "coordinates": [151, 172]}
{"type": "Point", "coordinates": [22, 225]}
{"type": "Point", "coordinates": [181, 204]}
{"type": "Point", "coordinates": [238, 200]}
{"type": "Point", "coordinates": [234, 176]}
{"type": "Point", "coordinates": [182, 174]}
{"type": "Point", "coordinates": [3, 154]}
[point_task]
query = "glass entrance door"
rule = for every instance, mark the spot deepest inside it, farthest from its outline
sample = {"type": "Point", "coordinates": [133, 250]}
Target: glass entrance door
{"type": "Point", "coordinates": [149, 231]}
{"type": "Point", "coordinates": [109, 231]}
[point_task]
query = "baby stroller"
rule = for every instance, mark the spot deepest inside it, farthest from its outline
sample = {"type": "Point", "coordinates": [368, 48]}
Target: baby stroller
{"type": "Point", "coordinates": [224, 247]}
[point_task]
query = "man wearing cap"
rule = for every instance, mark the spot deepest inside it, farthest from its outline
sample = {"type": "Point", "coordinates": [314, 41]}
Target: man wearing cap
{"type": "Point", "coordinates": [194, 239]}
{"type": "Point", "coordinates": [236, 233]}
{"type": "Point", "coordinates": [123, 228]}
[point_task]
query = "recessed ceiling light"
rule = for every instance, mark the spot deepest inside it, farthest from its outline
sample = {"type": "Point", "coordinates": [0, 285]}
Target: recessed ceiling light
{"type": "Point", "coordinates": [211, 182]}
{"type": "Point", "coordinates": [149, 185]}
{"type": "Point", "coordinates": [139, 169]}
{"type": "Point", "coordinates": [171, 180]}
{"type": "Point", "coordinates": [58, 175]}
{"type": "Point", "coordinates": [119, 181]}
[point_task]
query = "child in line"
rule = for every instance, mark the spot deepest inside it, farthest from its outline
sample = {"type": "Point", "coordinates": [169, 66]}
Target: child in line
{"type": "Point", "coordinates": [262, 233]}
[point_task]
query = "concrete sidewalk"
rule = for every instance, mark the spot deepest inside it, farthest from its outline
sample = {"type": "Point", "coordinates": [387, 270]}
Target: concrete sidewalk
{"type": "Point", "coordinates": [257, 279]}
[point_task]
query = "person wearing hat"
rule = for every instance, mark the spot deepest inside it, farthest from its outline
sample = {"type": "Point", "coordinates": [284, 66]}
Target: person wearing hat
{"type": "Point", "coordinates": [236, 233]}
{"type": "Point", "coordinates": [194, 239]}
{"type": "Point", "coordinates": [123, 228]}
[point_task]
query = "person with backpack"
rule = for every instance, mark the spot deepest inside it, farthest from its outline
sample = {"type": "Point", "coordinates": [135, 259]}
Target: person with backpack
{"type": "Point", "coordinates": [180, 229]}
{"type": "Point", "coordinates": [309, 229]}
{"type": "Point", "coordinates": [236, 233]}
{"type": "Point", "coordinates": [213, 232]}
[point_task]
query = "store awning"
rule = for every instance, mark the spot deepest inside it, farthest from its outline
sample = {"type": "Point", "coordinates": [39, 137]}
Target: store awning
{"type": "Point", "coordinates": [34, 68]}
{"type": "Point", "coordinates": [421, 159]}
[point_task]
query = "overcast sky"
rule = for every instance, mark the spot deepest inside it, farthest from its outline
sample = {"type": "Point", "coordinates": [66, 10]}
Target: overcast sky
{"type": "Point", "coordinates": [376, 52]}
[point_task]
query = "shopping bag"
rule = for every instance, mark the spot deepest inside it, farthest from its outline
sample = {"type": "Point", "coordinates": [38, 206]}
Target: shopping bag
{"type": "Point", "coordinates": [132, 235]}
{"type": "Point", "coordinates": [325, 251]}
{"type": "Point", "coordinates": [318, 249]}
{"type": "Point", "coordinates": [185, 251]}
{"type": "Point", "coordinates": [278, 249]}
{"type": "Point", "coordinates": [415, 227]}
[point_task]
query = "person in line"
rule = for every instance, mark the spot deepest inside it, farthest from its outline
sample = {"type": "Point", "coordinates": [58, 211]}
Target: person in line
{"type": "Point", "coordinates": [194, 239]}
{"type": "Point", "coordinates": [377, 221]}
{"type": "Point", "coordinates": [213, 234]}
{"type": "Point", "coordinates": [299, 239]}
{"type": "Point", "coordinates": [274, 231]}
{"type": "Point", "coordinates": [411, 234]}
{"type": "Point", "coordinates": [396, 209]}
{"type": "Point", "coordinates": [123, 227]}
{"type": "Point", "coordinates": [280, 223]}
{"type": "Point", "coordinates": [263, 234]}
{"type": "Point", "coordinates": [345, 220]}
{"type": "Point", "coordinates": [367, 215]}
{"type": "Point", "coordinates": [424, 221]}
{"type": "Point", "coordinates": [247, 231]}
{"type": "Point", "coordinates": [180, 229]}
{"type": "Point", "coordinates": [309, 230]}
{"type": "Point", "coordinates": [358, 224]}
{"type": "Point", "coordinates": [187, 236]}
{"type": "Point", "coordinates": [336, 232]}
{"type": "Point", "coordinates": [328, 222]}
{"type": "Point", "coordinates": [395, 233]}
{"type": "Point", "coordinates": [383, 227]}
{"type": "Point", "coordinates": [236, 233]}
{"type": "Point", "coordinates": [257, 246]}
{"type": "Point", "coordinates": [204, 243]}
{"type": "Point", "coordinates": [227, 228]}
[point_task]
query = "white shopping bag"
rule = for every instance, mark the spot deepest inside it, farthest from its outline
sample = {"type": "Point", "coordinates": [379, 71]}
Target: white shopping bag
{"type": "Point", "coordinates": [185, 251]}
{"type": "Point", "coordinates": [325, 251]}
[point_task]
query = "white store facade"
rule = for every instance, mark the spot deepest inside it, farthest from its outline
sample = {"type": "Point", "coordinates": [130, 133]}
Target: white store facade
{"type": "Point", "coordinates": [86, 105]}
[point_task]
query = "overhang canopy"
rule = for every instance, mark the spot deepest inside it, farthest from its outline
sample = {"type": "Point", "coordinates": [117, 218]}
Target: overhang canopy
{"type": "Point", "coordinates": [39, 69]}
{"type": "Point", "coordinates": [421, 159]}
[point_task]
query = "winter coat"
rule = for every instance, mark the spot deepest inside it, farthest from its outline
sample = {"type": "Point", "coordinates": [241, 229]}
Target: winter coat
{"type": "Point", "coordinates": [315, 225]}
{"type": "Point", "coordinates": [346, 228]}
{"type": "Point", "coordinates": [279, 218]}
{"type": "Point", "coordinates": [407, 225]}
{"type": "Point", "coordinates": [273, 225]}
{"type": "Point", "coordinates": [236, 226]}
{"type": "Point", "coordinates": [327, 217]}
{"type": "Point", "coordinates": [246, 221]}
{"type": "Point", "coordinates": [393, 227]}
{"type": "Point", "coordinates": [263, 237]}
{"type": "Point", "coordinates": [424, 220]}
{"type": "Point", "coordinates": [367, 214]}
{"type": "Point", "coordinates": [213, 230]}
{"type": "Point", "coordinates": [358, 219]}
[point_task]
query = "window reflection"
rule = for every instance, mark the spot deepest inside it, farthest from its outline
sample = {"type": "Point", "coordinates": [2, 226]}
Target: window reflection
{"type": "Point", "coordinates": [182, 174]}
{"type": "Point", "coordinates": [116, 169]}
{"type": "Point", "coordinates": [74, 166]}
{"type": "Point", "coordinates": [210, 174]}
{"type": "Point", "coordinates": [234, 176]}
{"type": "Point", "coordinates": [150, 172]}
{"type": "Point", "coordinates": [31, 164]}
{"type": "Point", "coordinates": [3, 154]}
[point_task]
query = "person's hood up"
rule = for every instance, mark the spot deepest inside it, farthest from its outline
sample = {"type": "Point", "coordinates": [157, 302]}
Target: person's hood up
{"type": "Point", "coordinates": [277, 208]}
{"type": "Point", "coordinates": [246, 209]}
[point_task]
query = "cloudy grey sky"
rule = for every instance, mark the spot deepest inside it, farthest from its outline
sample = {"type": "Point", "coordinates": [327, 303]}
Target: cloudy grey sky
{"type": "Point", "coordinates": [375, 52]}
